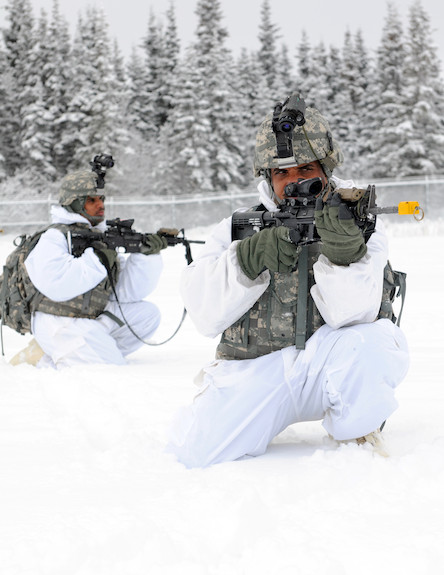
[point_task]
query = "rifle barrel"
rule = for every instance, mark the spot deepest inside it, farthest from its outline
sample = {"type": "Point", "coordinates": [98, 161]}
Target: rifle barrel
{"type": "Point", "coordinates": [388, 210]}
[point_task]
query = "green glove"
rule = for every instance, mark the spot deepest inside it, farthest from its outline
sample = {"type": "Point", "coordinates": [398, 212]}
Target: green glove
{"type": "Point", "coordinates": [152, 244]}
{"type": "Point", "coordinates": [342, 240]}
{"type": "Point", "coordinates": [270, 248]}
{"type": "Point", "coordinates": [106, 255]}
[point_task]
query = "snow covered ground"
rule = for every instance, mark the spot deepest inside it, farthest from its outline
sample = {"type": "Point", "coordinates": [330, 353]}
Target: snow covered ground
{"type": "Point", "coordinates": [86, 488]}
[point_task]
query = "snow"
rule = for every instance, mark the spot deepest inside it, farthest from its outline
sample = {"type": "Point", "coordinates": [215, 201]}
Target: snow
{"type": "Point", "coordinates": [87, 489]}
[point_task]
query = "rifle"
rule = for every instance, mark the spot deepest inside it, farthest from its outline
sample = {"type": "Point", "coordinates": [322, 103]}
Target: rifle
{"type": "Point", "coordinates": [298, 207]}
{"type": "Point", "coordinates": [122, 237]}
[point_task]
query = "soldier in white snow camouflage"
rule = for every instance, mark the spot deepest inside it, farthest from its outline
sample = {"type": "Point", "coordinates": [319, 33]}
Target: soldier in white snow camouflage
{"type": "Point", "coordinates": [75, 316]}
{"type": "Point", "coordinates": [301, 339]}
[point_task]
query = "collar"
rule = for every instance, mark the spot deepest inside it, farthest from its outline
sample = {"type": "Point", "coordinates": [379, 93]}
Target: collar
{"type": "Point", "coordinates": [61, 216]}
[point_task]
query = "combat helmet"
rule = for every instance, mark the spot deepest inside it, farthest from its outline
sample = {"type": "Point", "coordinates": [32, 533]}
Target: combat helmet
{"type": "Point", "coordinates": [311, 140]}
{"type": "Point", "coordinates": [74, 190]}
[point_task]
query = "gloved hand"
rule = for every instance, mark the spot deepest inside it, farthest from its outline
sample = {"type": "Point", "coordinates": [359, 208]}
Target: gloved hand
{"type": "Point", "coordinates": [106, 255]}
{"type": "Point", "coordinates": [152, 244]}
{"type": "Point", "coordinates": [342, 240]}
{"type": "Point", "coordinates": [270, 248]}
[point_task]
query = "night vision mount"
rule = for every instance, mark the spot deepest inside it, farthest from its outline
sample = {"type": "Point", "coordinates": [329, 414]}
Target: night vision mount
{"type": "Point", "coordinates": [100, 164]}
{"type": "Point", "coordinates": [286, 117]}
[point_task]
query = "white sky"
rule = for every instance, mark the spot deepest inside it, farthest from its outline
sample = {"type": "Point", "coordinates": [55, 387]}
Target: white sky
{"type": "Point", "coordinates": [322, 19]}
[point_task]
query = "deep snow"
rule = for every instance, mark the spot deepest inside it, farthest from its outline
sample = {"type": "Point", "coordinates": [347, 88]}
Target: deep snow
{"type": "Point", "coordinates": [86, 488]}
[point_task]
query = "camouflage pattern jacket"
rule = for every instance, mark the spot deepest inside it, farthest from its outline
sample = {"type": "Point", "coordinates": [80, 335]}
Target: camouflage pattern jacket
{"type": "Point", "coordinates": [217, 294]}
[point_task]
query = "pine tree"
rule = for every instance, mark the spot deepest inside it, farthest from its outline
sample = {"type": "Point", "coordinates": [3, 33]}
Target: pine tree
{"type": "Point", "coordinates": [422, 151]}
{"type": "Point", "coordinates": [162, 48]}
{"type": "Point", "coordinates": [183, 156]}
{"type": "Point", "coordinates": [268, 37]}
{"type": "Point", "coordinates": [119, 88]}
{"type": "Point", "coordinates": [285, 82]}
{"type": "Point", "coordinates": [385, 111]}
{"type": "Point", "coordinates": [37, 120]}
{"type": "Point", "coordinates": [350, 99]}
{"type": "Point", "coordinates": [333, 80]}
{"type": "Point", "coordinates": [92, 124]}
{"type": "Point", "coordinates": [152, 84]}
{"type": "Point", "coordinates": [316, 86]}
{"type": "Point", "coordinates": [303, 60]}
{"type": "Point", "coordinates": [360, 98]}
{"type": "Point", "coordinates": [202, 137]}
{"type": "Point", "coordinates": [9, 142]}
{"type": "Point", "coordinates": [19, 41]}
{"type": "Point", "coordinates": [254, 100]}
{"type": "Point", "coordinates": [138, 119]}
{"type": "Point", "coordinates": [171, 89]}
{"type": "Point", "coordinates": [155, 108]}
{"type": "Point", "coordinates": [219, 99]}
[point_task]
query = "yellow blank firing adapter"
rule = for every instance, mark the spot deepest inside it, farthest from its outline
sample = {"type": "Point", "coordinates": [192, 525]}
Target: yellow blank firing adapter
{"type": "Point", "coordinates": [411, 208]}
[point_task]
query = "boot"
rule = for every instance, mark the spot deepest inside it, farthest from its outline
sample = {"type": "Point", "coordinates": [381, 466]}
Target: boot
{"type": "Point", "coordinates": [375, 440]}
{"type": "Point", "coordinates": [31, 354]}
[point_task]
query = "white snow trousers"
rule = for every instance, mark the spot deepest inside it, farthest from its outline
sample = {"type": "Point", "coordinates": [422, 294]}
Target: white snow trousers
{"type": "Point", "coordinates": [68, 341]}
{"type": "Point", "coordinates": [345, 377]}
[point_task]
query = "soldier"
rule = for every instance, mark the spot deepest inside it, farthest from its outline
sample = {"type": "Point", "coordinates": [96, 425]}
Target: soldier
{"type": "Point", "coordinates": [78, 319]}
{"type": "Point", "coordinates": [340, 364]}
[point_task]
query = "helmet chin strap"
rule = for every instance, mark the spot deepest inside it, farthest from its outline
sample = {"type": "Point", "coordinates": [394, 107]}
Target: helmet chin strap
{"type": "Point", "coordinates": [94, 220]}
{"type": "Point", "coordinates": [267, 177]}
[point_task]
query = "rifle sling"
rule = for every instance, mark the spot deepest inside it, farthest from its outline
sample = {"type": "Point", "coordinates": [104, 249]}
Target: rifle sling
{"type": "Point", "coordinates": [86, 301]}
{"type": "Point", "coordinates": [301, 315]}
{"type": "Point", "coordinates": [402, 282]}
{"type": "Point", "coordinates": [118, 321]}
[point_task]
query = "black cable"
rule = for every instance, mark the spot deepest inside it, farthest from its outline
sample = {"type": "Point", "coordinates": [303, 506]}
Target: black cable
{"type": "Point", "coordinates": [105, 262]}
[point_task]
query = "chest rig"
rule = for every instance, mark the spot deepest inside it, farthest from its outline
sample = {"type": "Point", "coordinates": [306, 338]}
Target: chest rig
{"type": "Point", "coordinates": [88, 305]}
{"type": "Point", "coordinates": [284, 315]}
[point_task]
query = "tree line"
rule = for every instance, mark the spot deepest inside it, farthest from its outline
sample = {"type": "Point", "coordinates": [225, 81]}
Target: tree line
{"type": "Point", "coordinates": [183, 119]}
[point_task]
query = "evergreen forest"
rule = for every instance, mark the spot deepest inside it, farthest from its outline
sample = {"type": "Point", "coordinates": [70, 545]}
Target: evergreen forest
{"type": "Point", "coordinates": [182, 119]}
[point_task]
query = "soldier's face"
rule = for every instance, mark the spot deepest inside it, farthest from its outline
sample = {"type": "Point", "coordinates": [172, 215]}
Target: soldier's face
{"type": "Point", "coordinates": [281, 177]}
{"type": "Point", "coordinates": [95, 206]}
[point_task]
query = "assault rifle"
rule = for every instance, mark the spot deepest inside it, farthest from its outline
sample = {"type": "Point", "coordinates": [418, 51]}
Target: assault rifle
{"type": "Point", "coordinates": [122, 237]}
{"type": "Point", "coordinates": [298, 207]}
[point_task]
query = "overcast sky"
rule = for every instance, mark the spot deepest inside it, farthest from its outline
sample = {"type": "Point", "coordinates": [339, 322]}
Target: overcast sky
{"type": "Point", "coordinates": [322, 19]}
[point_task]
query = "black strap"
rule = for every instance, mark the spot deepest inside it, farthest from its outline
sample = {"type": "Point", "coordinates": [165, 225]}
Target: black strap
{"type": "Point", "coordinates": [125, 321]}
{"type": "Point", "coordinates": [301, 313]}
{"type": "Point", "coordinates": [86, 301]}
{"type": "Point", "coordinates": [118, 321]}
{"type": "Point", "coordinates": [401, 282]}
{"type": "Point", "coordinates": [2, 299]}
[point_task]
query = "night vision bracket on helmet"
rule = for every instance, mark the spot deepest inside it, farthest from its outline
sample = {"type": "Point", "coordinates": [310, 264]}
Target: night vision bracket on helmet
{"type": "Point", "coordinates": [286, 117]}
{"type": "Point", "coordinates": [101, 163]}
{"type": "Point", "coordinates": [293, 135]}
